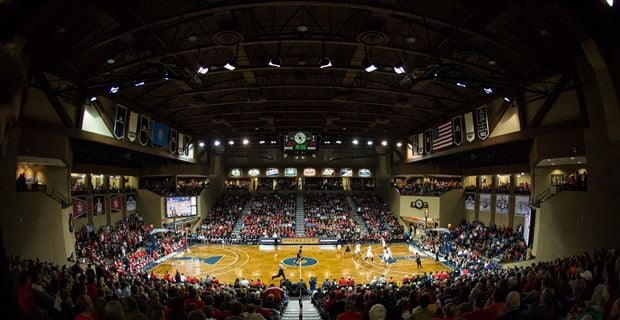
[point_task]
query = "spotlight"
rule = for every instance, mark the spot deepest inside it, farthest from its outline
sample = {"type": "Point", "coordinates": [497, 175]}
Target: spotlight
{"type": "Point", "coordinates": [325, 63]}
{"type": "Point", "coordinates": [384, 143]}
{"type": "Point", "coordinates": [275, 62]}
{"type": "Point", "coordinates": [231, 64]}
{"type": "Point", "coordinates": [327, 142]}
{"type": "Point", "coordinates": [261, 142]}
{"type": "Point", "coordinates": [369, 66]}
{"type": "Point", "coordinates": [110, 61]}
{"type": "Point", "coordinates": [355, 141]}
{"type": "Point", "coordinates": [93, 99]}
{"type": "Point", "coordinates": [610, 2]}
{"type": "Point", "coordinates": [274, 141]}
{"type": "Point", "coordinates": [139, 83]}
{"type": "Point", "coordinates": [399, 144]}
{"type": "Point", "coordinates": [201, 144]}
{"type": "Point", "coordinates": [522, 173]}
{"type": "Point", "coordinates": [165, 75]}
{"type": "Point", "coordinates": [202, 69]}
{"type": "Point", "coordinates": [245, 141]}
{"type": "Point", "coordinates": [338, 142]}
{"type": "Point", "coordinates": [461, 84]}
{"type": "Point", "coordinates": [400, 68]}
{"type": "Point", "coordinates": [370, 142]}
{"type": "Point", "coordinates": [114, 89]}
{"type": "Point", "coordinates": [488, 90]}
{"type": "Point", "coordinates": [506, 99]}
{"type": "Point", "coordinates": [231, 142]}
{"type": "Point", "coordinates": [216, 143]}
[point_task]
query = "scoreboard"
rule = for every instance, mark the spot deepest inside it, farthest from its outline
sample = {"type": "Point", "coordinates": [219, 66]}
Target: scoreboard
{"type": "Point", "coordinates": [300, 142]}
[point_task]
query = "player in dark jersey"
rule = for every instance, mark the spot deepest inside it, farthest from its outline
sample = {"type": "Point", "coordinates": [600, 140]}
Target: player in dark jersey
{"type": "Point", "coordinates": [300, 257]}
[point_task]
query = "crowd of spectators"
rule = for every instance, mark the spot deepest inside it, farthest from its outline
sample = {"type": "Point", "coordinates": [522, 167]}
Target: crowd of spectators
{"type": "Point", "coordinates": [264, 185]}
{"type": "Point", "coordinates": [234, 187]}
{"type": "Point", "coordinates": [269, 215]}
{"type": "Point", "coordinates": [329, 215]}
{"type": "Point", "coordinates": [476, 244]}
{"type": "Point", "coordinates": [218, 224]}
{"type": "Point", "coordinates": [166, 186]}
{"type": "Point", "coordinates": [323, 184]}
{"type": "Point", "coordinates": [380, 221]}
{"type": "Point", "coordinates": [433, 187]}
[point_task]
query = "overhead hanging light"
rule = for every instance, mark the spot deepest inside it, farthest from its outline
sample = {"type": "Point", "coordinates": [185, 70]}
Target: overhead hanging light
{"type": "Point", "coordinates": [231, 64]}
{"type": "Point", "coordinates": [275, 62]}
{"type": "Point", "coordinates": [461, 84]}
{"type": "Point", "coordinates": [488, 90]}
{"type": "Point", "coordinates": [93, 99]}
{"type": "Point", "coordinates": [325, 63]}
{"type": "Point", "coordinates": [369, 66]}
{"type": "Point", "coordinates": [400, 68]}
{"type": "Point", "coordinates": [114, 89]}
{"type": "Point", "coordinates": [202, 69]}
{"type": "Point", "coordinates": [139, 83]}
{"type": "Point", "coordinates": [216, 143]}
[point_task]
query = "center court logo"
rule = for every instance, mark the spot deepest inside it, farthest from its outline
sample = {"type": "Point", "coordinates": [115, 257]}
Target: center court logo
{"type": "Point", "coordinates": [305, 262]}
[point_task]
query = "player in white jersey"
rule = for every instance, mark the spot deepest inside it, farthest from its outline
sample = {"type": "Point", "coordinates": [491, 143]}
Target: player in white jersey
{"type": "Point", "coordinates": [382, 242]}
{"type": "Point", "coordinates": [369, 254]}
{"type": "Point", "coordinates": [358, 250]}
{"type": "Point", "coordinates": [388, 255]}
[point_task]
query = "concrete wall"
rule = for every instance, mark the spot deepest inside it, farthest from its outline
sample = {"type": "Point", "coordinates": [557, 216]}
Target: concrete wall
{"type": "Point", "coordinates": [434, 207]}
{"type": "Point", "coordinates": [151, 207]}
{"type": "Point", "coordinates": [452, 207]}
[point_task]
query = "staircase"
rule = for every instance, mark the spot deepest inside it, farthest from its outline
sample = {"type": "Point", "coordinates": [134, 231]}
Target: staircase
{"type": "Point", "coordinates": [239, 223]}
{"type": "Point", "coordinates": [300, 226]}
{"type": "Point", "coordinates": [308, 311]}
{"type": "Point", "coordinates": [356, 217]}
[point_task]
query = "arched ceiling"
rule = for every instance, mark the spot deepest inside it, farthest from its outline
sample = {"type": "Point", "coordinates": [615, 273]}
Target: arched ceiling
{"type": "Point", "coordinates": [508, 46]}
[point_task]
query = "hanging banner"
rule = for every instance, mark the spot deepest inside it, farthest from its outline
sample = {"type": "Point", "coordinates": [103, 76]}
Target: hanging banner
{"type": "Point", "coordinates": [187, 142]}
{"type": "Point", "coordinates": [79, 207]}
{"type": "Point", "coordinates": [420, 143]}
{"type": "Point", "coordinates": [442, 136]}
{"type": "Point", "coordinates": [428, 143]}
{"type": "Point", "coordinates": [482, 123]}
{"type": "Point", "coordinates": [180, 143]}
{"type": "Point", "coordinates": [485, 202]}
{"type": "Point", "coordinates": [414, 146]}
{"type": "Point", "coordinates": [98, 205]}
{"type": "Point", "coordinates": [130, 203]}
{"type": "Point", "coordinates": [133, 126]}
{"type": "Point", "coordinates": [144, 130]}
{"type": "Point", "coordinates": [501, 204]}
{"type": "Point", "coordinates": [116, 203]}
{"type": "Point", "coordinates": [470, 201]}
{"type": "Point", "coordinates": [119, 122]}
{"type": "Point", "coordinates": [159, 135]}
{"type": "Point", "coordinates": [522, 205]}
{"type": "Point", "coordinates": [457, 130]}
{"type": "Point", "coordinates": [173, 141]}
{"type": "Point", "coordinates": [470, 134]}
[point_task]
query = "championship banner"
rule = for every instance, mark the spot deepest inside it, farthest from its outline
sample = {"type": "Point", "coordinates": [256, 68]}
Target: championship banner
{"type": "Point", "coordinates": [79, 207]}
{"type": "Point", "coordinates": [501, 204]}
{"type": "Point", "coordinates": [485, 202]}
{"type": "Point", "coordinates": [130, 202]}
{"type": "Point", "coordinates": [119, 122]}
{"type": "Point", "coordinates": [159, 135]}
{"type": "Point", "coordinates": [420, 143]}
{"type": "Point", "coordinates": [98, 205]}
{"type": "Point", "coordinates": [410, 153]}
{"type": "Point", "coordinates": [470, 201]}
{"type": "Point", "coordinates": [522, 205]}
{"type": "Point", "coordinates": [482, 123]}
{"type": "Point", "coordinates": [144, 130]}
{"type": "Point", "coordinates": [428, 143]}
{"type": "Point", "coordinates": [470, 134]}
{"type": "Point", "coordinates": [442, 136]}
{"type": "Point", "coordinates": [457, 130]}
{"type": "Point", "coordinates": [133, 126]}
{"type": "Point", "coordinates": [115, 203]}
{"type": "Point", "coordinates": [180, 143]}
{"type": "Point", "coordinates": [187, 141]}
{"type": "Point", "coordinates": [414, 146]}
{"type": "Point", "coordinates": [173, 141]}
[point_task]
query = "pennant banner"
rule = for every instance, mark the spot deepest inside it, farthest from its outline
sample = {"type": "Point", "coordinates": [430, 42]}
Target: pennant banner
{"type": "Point", "coordinates": [180, 142]}
{"type": "Point", "coordinates": [98, 205]}
{"type": "Point", "coordinates": [522, 206]}
{"type": "Point", "coordinates": [79, 207]}
{"type": "Point", "coordinates": [428, 143]}
{"type": "Point", "coordinates": [187, 142]}
{"type": "Point", "coordinates": [420, 143]}
{"type": "Point", "coordinates": [133, 126]}
{"type": "Point", "coordinates": [482, 123]}
{"type": "Point", "coordinates": [173, 141]}
{"type": "Point", "coordinates": [414, 146]}
{"type": "Point", "coordinates": [159, 136]}
{"type": "Point", "coordinates": [470, 134]}
{"type": "Point", "coordinates": [442, 136]}
{"type": "Point", "coordinates": [470, 201]}
{"type": "Point", "coordinates": [501, 204]}
{"type": "Point", "coordinates": [119, 122]}
{"type": "Point", "coordinates": [457, 130]}
{"type": "Point", "coordinates": [485, 202]}
{"type": "Point", "coordinates": [115, 203]}
{"type": "Point", "coordinates": [130, 202]}
{"type": "Point", "coordinates": [144, 130]}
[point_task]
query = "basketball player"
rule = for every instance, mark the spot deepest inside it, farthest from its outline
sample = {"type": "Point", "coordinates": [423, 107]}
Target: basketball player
{"type": "Point", "coordinates": [369, 254]}
{"type": "Point", "coordinates": [382, 242]}
{"type": "Point", "coordinates": [358, 250]}
{"type": "Point", "coordinates": [280, 272]}
{"type": "Point", "coordinates": [418, 260]}
{"type": "Point", "coordinates": [388, 255]}
{"type": "Point", "coordinates": [347, 249]}
{"type": "Point", "coordinates": [299, 256]}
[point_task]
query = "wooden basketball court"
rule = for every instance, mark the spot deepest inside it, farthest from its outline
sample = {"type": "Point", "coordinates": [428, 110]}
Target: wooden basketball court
{"type": "Point", "coordinates": [228, 262]}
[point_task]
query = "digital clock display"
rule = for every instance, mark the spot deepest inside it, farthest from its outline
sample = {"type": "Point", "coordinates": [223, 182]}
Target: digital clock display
{"type": "Point", "coordinates": [300, 142]}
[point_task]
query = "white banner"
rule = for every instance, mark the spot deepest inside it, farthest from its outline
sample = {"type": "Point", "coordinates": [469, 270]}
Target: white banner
{"type": "Point", "coordinates": [485, 202]}
{"type": "Point", "coordinates": [501, 204]}
{"type": "Point", "coordinates": [470, 201]}
{"type": "Point", "coordinates": [522, 205]}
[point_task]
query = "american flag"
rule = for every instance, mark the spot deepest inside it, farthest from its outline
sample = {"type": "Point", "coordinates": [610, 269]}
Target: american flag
{"type": "Point", "coordinates": [442, 136]}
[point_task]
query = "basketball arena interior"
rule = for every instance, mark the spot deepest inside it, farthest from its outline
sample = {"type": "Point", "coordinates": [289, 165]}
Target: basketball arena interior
{"type": "Point", "coordinates": [385, 159]}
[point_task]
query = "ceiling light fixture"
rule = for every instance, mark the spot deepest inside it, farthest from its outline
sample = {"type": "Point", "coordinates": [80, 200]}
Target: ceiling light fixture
{"type": "Point", "coordinates": [410, 39]}
{"type": "Point", "coordinates": [325, 63]}
{"type": "Point", "coordinates": [355, 141]}
{"type": "Point", "coordinates": [400, 68]}
{"type": "Point", "coordinates": [216, 143]}
{"type": "Point", "coordinates": [488, 90]}
{"type": "Point", "coordinates": [261, 142]}
{"type": "Point", "coordinates": [338, 142]}
{"type": "Point", "coordinates": [384, 143]}
{"type": "Point", "coordinates": [369, 66]}
{"type": "Point", "coordinates": [201, 144]}
{"type": "Point", "coordinates": [110, 61]}
{"type": "Point", "coordinates": [231, 64]}
{"type": "Point", "coordinates": [231, 142]}
{"type": "Point", "coordinates": [370, 142]}
{"type": "Point", "coordinates": [245, 141]}
{"type": "Point", "coordinates": [139, 83]}
{"type": "Point", "coordinates": [461, 84]}
{"type": "Point", "coordinates": [275, 62]}
{"type": "Point", "coordinates": [610, 2]}
{"type": "Point", "coordinates": [165, 76]}
{"type": "Point", "coordinates": [302, 28]}
{"type": "Point", "coordinates": [202, 69]}
{"type": "Point", "coordinates": [192, 38]}
{"type": "Point", "coordinates": [399, 144]}
{"type": "Point", "coordinates": [506, 99]}
{"type": "Point", "coordinates": [114, 89]}
{"type": "Point", "coordinates": [93, 99]}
